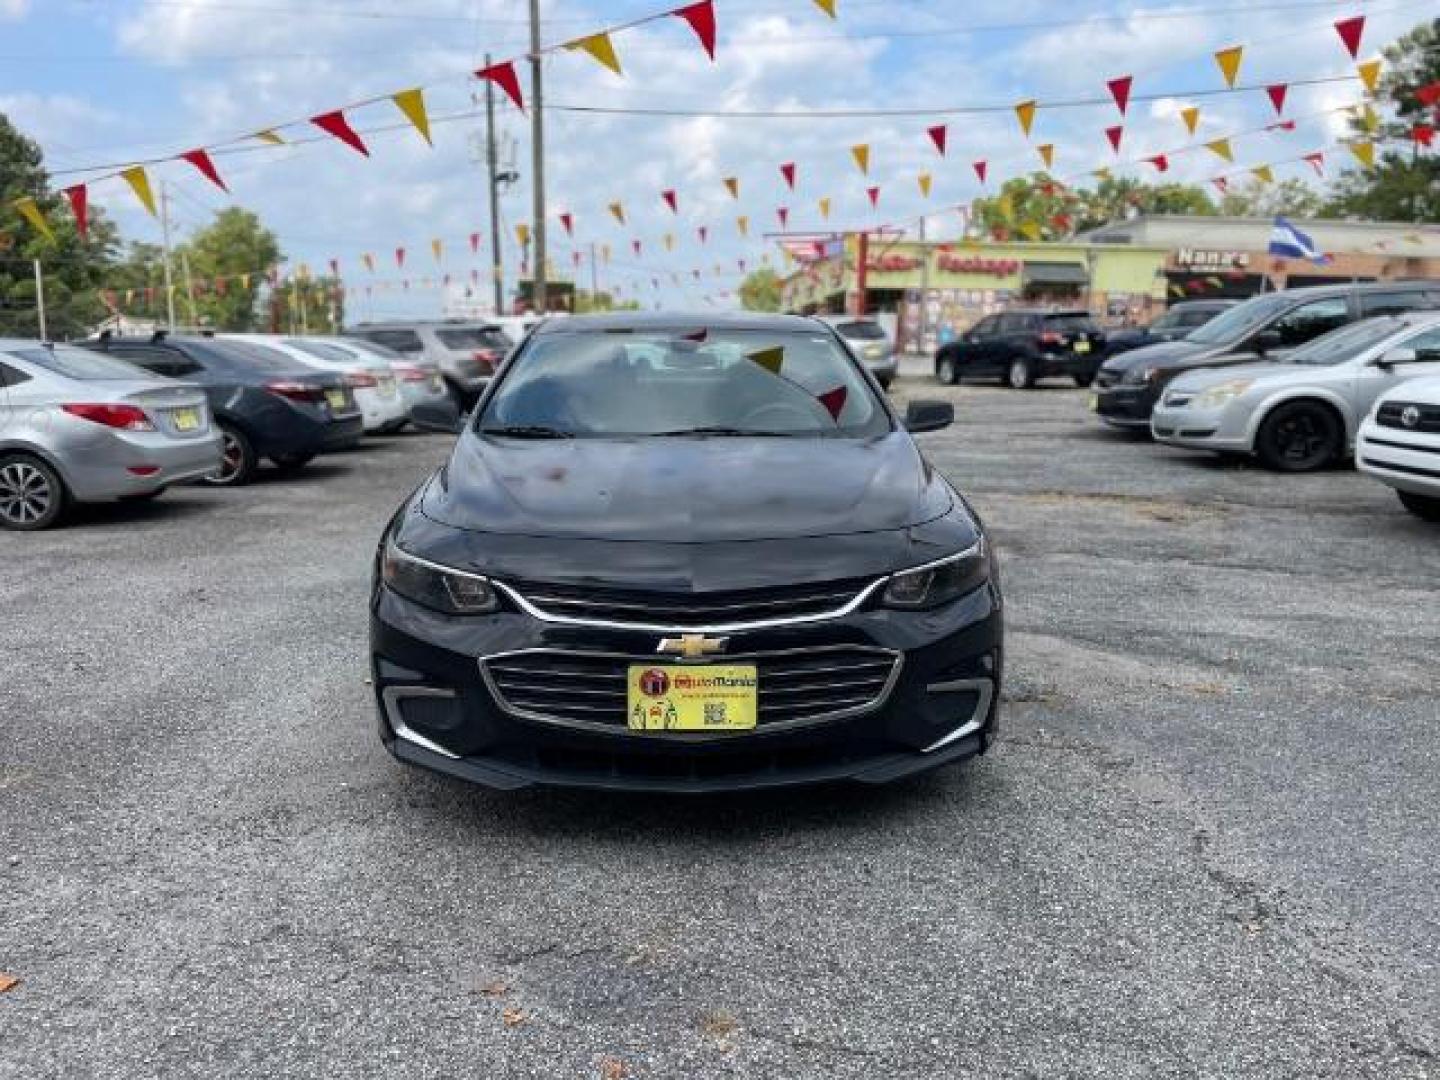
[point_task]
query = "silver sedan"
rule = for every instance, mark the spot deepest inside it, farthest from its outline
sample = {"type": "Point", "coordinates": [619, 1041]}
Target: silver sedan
{"type": "Point", "coordinates": [1301, 413]}
{"type": "Point", "coordinates": [76, 426]}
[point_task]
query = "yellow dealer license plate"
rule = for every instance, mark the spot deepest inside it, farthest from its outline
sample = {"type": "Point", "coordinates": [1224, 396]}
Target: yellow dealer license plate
{"type": "Point", "coordinates": [336, 398]}
{"type": "Point", "coordinates": [692, 697]}
{"type": "Point", "coordinates": [186, 419]}
{"type": "Point", "coordinates": [1093, 402]}
{"type": "Point", "coordinates": [1082, 346]}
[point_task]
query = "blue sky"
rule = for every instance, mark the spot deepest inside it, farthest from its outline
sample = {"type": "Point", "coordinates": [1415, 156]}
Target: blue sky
{"type": "Point", "coordinates": [110, 81]}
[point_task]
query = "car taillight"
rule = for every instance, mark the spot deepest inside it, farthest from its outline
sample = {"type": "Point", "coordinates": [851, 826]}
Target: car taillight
{"type": "Point", "coordinates": [485, 358]}
{"type": "Point", "coordinates": [125, 417]}
{"type": "Point", "coordinates": [1050, 337]}
{"type": "Point", "coordinates": [296, 391]}
{"type": "Point", "coordinates": [409, 372]}
{"type": "Point", "coordinates": [361, 379]}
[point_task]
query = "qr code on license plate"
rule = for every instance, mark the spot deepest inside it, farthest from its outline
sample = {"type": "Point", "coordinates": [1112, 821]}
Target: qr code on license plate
{"type": "Point", "coordinates": [715, 712]}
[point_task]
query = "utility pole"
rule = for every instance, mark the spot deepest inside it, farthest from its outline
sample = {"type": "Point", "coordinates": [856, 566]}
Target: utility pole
{"type": "Point", "coordinates": [189, 289]}
{"type": "Point", "coordinates": [537, 161]}
{"type": "Point", "coordinates": [165, 240]}
{"type": "Point", "coordinates": [594, 279]}
{"type": "Point", "coordinates": [497, 268]}
{"type": "Point", "coordinates": [40, 301]}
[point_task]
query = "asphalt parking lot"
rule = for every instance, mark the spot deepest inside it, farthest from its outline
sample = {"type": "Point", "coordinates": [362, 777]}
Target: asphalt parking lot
{"type": "Point", "coordinates": [1205, 846]}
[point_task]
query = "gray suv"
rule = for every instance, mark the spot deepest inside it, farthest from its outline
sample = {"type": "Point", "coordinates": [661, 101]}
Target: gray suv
{"type": "Point", "coordinates": [467, 351]}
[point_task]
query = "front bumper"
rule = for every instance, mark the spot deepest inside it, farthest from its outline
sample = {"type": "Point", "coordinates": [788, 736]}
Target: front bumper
{"type": "Point", "coordinates": [1200, 429]}
{"type": "Point", "coordinates": [1407, 461]}
{"type": "Point", "coordinates": [438, 708]}
{"type": "Point", "coordinates": [1122, 405]}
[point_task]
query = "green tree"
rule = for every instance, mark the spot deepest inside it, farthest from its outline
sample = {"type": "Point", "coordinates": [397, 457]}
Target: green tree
{"type": "Point", "coordinates": [1293, 197]}
{"type": "Point", "coordinates": [74, 269]}
{"type": "Point", "coordinates": [228, 261]}
{"type": "Point", "coordinates": [1405, 184]}
{"type": "Point", "coordinates": [760, 291]}
{"type": "Point", "coordinates": [302, 304]}
{"type": "Point", "coordinates": [1058, 211]}
{"type": "Point", "coordinates": [586, 302]}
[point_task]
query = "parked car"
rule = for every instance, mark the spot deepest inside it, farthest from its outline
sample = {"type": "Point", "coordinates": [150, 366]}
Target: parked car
{"type": "Point", "coordinates": [422, 388]}
{"type": "Point", "coordinates": [1301, 413]}
{"type": "Point", "coordinates": [1399, 441]}
{"type": "Point", "coordinates": [596, 589]}
{"type": "Point", "coordinates": [376, 388]}
{"type": "Point", "coordinates": [76, 427]}
{"type": "Point", "coordinates": [868, 340]}
{"type": "Point", "coordinates": [1265, 326]}
{"type": "Point", "coordinates": [1021, 346]}
{"type": "Point", "coordinates": [467, 352]}
{"type": "Point", "coordinates": [265, 404]}
{"type": "Point", "coordinates": [517, 326]}
{"type": "Point", "coordinates": [1176, 323]}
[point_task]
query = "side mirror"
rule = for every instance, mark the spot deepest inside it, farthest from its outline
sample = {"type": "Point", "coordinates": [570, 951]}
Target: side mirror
{"type": "Point", "coordinates": [441, 416]}
{"type": "Point", "coordinates": [1400, 355]}
{"type": "Point", "coordinates": [928, 415]}
{"type": "Point", "coordinates": [1267, 340]}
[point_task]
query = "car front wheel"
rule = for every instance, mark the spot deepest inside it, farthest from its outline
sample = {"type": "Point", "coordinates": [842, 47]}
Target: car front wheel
{"type": "Point", "coordinates": [1084, 380]}
{"type": "Point", "coordinates": [1425, 507]}
{"type": "Point", "coordinates": [1020, 376]}
{"type": "Point", "coordinates": [32, 495]}
{"type": "Point", "coordinates": [1300, 436]}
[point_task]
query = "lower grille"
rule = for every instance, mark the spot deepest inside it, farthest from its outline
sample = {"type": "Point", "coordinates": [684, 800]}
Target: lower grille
{"type": "Point", "coordinates": [588, 690]}
{"type": "Point", "coordinates": [1391, 413]}
{"type": "Point", "coordinates": [1105, 378]}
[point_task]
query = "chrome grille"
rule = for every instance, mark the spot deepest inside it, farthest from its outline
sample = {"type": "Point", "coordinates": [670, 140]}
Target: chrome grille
{"type": "Point", "coordinates": [796, 687]}
{"type": "Point", "coordinates": [691, 610]}
{"type": "Point", "coordinates": [1390, 412]}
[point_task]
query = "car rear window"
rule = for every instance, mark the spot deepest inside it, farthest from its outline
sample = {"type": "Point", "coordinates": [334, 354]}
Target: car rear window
{"type": "Point", "coordinates": [861, 331]}
{"type": "Point", "coordinates": [1069, 320]}
{"type": "Point", "coordinates": [248, 355]}
{"type": "Point", "coordinates": [81, 364]}
{"type": "Point", "coordinates": [473, 337]}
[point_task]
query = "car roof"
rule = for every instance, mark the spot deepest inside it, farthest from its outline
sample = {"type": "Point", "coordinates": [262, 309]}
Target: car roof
{"type": "Point", "coordinates": [1203, 304]}
{"type": "Point", "coordinates": [414, 324]}
{"type": "Point", "coordinates": [1343, 288]}
{"type": "Point", "coordinates": [678, 320]}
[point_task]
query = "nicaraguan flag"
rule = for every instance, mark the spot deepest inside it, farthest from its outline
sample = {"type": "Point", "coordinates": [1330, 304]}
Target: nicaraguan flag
{"type": "Point", "coordinates": [1288, 242]}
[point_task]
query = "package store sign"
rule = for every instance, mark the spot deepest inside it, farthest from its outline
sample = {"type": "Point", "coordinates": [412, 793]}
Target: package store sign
{"type": "Point", "coordinates": [978, 265]}
{"type": "Point", "coordinates": [1201, 259]}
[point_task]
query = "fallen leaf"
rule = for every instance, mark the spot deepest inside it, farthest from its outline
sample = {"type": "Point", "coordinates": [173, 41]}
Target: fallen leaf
{"type": "Point", "coordinates": [8, 982]}
{"type": "Point", "coordinates": [613, 1069]}
{"type": "Point", "coordinates": [495, 989]}
{"type": "Point", "coordinates": [513, 1017]}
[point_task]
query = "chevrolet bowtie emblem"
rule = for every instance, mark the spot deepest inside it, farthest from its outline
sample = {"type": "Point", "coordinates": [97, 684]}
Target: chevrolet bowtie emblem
{"type": "Point", "coordinates": [692, 646]}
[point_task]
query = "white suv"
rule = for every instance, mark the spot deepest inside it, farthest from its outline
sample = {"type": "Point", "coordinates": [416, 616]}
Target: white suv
{"type": "Point", "coordinates": [1399, 445]}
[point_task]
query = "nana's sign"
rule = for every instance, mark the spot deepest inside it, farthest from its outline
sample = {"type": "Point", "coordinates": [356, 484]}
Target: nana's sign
{"type": "Point", "coordinates": [1203, 259]}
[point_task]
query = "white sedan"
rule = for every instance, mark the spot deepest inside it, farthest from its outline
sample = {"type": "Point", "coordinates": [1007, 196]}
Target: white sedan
{"type": "Point", "coordinates": [1399, 445]}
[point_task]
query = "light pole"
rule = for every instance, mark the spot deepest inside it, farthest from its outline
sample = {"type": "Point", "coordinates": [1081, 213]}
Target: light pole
{"type": "Point", "coordinates": [537, 160]}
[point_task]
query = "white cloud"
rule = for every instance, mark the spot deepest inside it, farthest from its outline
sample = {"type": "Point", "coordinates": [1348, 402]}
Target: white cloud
{"type": "Point", "coordinates": [14, 9]}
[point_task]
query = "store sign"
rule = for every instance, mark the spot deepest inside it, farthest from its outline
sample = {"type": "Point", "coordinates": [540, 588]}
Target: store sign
{"type": "Point", "coordinates": [1200, 259]}
{"type": "Point", "coordinates": [970, 264]}
{"type": "Point", "coordinates": [892, 264]}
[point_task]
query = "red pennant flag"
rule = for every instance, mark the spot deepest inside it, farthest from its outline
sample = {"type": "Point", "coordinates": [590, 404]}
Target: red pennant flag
{"type": "Point", "coordinates": [1283, 125]}
{"type": "Point", "coordinates": [704, 233]}
{"type": "Point", "coordinates": [1424, 134]}
{"type": "Point", "coordinates": [1317, 161]}
{"type": "Point", "coordinates": [1160, 161]}
{"type": "Point", "coordinates": [201, 160]}
{"type": "Point", "coordinates": [938, 135]}
{"type": "Point", "coordinates": [701, 18]}
{"type": "Point", "coordinates": [1114, 134]}
{"type": "Point", "coordinates": [80, 207]}
{"type": "Point", "coordinates": [503, 75]}
{"type": "Point", "coordinates": [980, 170]}
{"type": "Point", "coordinates": [783, 213]}
{"type": "Point", "coordinates": [788, 172]}
{"type": "Point", "coordinates": [671, 201]}
{"type": "Point", "coordinates": [1350, 31]}
{"type": "Point", "coordinates": [567, 221]}
{"type": "Point", "coordinates": [834, 401]}
{"type": "Point", "coordinates": [334, 123]}
{"type": "Point", "coordinates": [1277, 95]}
{"type": "Point", "coordinates": [1222, 184]}
{"type": "Point", "coordinates": [635, 247]}
{"type": "Point", "coordinates": [400, 257]}
{"type": "Point", "coordinates": [1120, 91]}
{"type": "Point", "coordinates": [874, 193]}
{"type": "Point", "coordinates": [474, 242]}
{"type": "Point", "coordinates": [1429, 94]}
{"type": "Point", "coordinates": [1061, 222]}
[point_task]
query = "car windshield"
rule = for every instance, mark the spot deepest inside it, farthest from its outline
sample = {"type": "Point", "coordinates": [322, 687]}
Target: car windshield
{"type": "Point", "coordinates": [81, 364]}
{"type": "Point", "coordinates": [1237, 323]}
{"type": "Point", "coordinates": [474, 337]}
{"type": "Point", "coordinates": [321, 351]}
{"type": "Point", "coordinates": [861, 331]}
{"type": "Point", "coordinates": [616, 383]}
{"type": "Point", "coordinates": [1346, 342]}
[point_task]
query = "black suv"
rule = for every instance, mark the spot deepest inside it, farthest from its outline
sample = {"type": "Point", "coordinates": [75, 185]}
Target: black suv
{"type": "Point", "coordinates": [1018, 347]}
{"type": "Point", "coordinates": [1268, 325]}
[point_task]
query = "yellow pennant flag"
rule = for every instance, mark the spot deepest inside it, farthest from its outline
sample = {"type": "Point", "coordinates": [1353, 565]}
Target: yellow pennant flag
{"type": "Point", "coordinates": [1370, 119]}
{"type": "Point", "coordinates": [825, 209]}
{"type": "Point", "coordinates": [30, 211]}
{"type": "Point", "coordinates": [669, 241]}
{"type": "Point", "coordinates": [1031, 231]}
{"type": "Point", "coordinates": [1191, 116]}
{"type": "Point", "coordinates": [268, 136]}
{"type": "Point", "coordinates": [522, 234]}
{"type": "Point", "coordinates": [140, 184]}
{"type": "Point", "coordinates": [600, 47]}
{"type": "Point", "coordinates": [770, 359]}
{"type": "Point", "coordinates": [1025, 113]}
{"type": "Point", "coordinates": [1364, 153]}
{"type": "Point", "coordinates": [861, 153]}
{"type": "Point", "coordinates": [1221, 148]}
{"type": "Point", "coordinates": [827, 6]}
{"type": "Point", "coordinates": [245, 281]}
{"type": "Point", "coordinates": [1229, 61]}
{"type": "Point", "coordinates": [436, 249]}
{"type": "Point", "coordinates": [1264, 174]}
{"type": "Point", "coordinates": [1102, 173]}
{"type": "Point", "coordinates": [412, 104]}
{"type": "Point", "coordinates": [1369, 74]}
{"type": "Point", "coordinates": [619, 211]}
{"type": "Point", "coordinates": [1047, 154]}
{"type": "Point", "coordinates": [1006, 203]}
{"type": "Point", "coordinates": [924, 181]}
{"type": "Point", "coordinates": [743, 224]}
{"type": "Point", "coordinates": [732, 185]}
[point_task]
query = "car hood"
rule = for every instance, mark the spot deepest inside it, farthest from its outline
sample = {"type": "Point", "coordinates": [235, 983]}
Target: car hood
{"type": "Point", "coordinates": [685, 490]}
{"type": "Point", "coordinates": [1425, 391]}
{"type": "Point", "coordinates": [1261, 371]}
{"type": "Point", "coordinates": [1162, 354]}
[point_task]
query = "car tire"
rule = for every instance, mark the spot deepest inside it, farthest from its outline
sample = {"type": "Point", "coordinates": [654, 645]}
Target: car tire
{"type": "Point", "coordinates": [237, 461]}
{"type": "Point", "coordinates": [885, 384]}
{"type": "Point", "coordinates": [1425, 507]}
{"type": "Point", "coordinates": [457, 396]}
{"type": "Point", "coordinates": [1020, 375]}
{"type": "Point", "coordinates": [1299, 436]}
{"type": "Point", "coordinates": [946, 371]}
{"type": "Point", "coordinates": [32, 495]}
{"type": "Point", "coordinates": [1083, 381]}
{"type": "Point", "coordinates": [291, 463]}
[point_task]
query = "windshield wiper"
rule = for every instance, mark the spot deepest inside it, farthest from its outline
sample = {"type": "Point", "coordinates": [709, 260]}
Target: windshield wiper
{"type": "Point", "coordinates": [731, 431]}
{"type": "Point", "coordinates": [528, 431]}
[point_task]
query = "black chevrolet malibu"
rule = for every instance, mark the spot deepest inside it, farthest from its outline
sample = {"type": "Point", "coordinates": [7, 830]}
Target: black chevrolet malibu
{"type": "Point", "coordinates": [680, 553]}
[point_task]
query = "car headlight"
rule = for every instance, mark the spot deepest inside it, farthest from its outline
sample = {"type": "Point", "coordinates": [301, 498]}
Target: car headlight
{"type": "Point", "coordinates": [1214, 396]}
{"type": "Point", "coordinates": [1141, 376]}
{"type": "Point", "coordinates": [939, 582]}
{"type": "Point", "coordinates": [434, 586]}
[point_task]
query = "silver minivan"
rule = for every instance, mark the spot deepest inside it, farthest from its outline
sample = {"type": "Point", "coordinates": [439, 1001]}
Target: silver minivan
{"type": "Point", "coordinates": [467, 351]}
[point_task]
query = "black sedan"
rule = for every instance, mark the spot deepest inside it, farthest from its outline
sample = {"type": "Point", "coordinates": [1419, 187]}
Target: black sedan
{"type": "Point", "coordinates": [685, 554]}
{"type": "Point", "coordinates": [265, 404]}
{"type": "Point", "coordinates": [1177, 322]}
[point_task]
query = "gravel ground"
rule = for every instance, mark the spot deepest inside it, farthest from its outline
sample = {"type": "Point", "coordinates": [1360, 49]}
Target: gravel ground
{"type": "Point", "coordinates": [1205, 846]}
